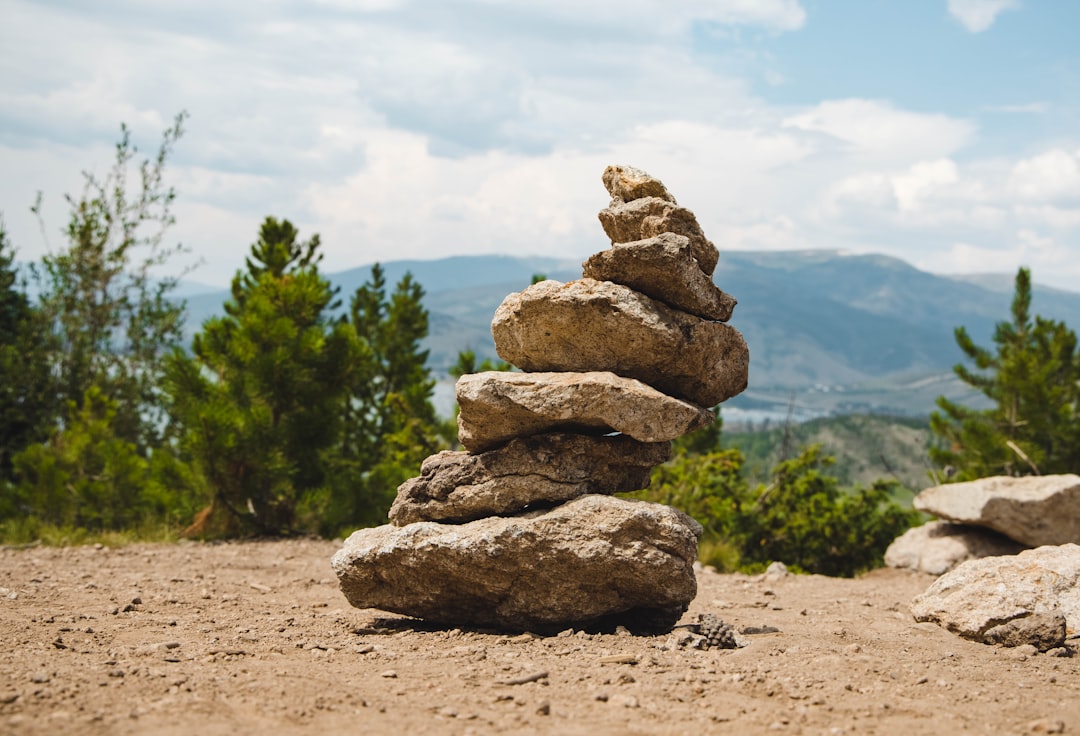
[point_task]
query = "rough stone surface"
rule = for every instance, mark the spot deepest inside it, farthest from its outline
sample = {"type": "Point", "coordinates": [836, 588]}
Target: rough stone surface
{"type": "Point", "coordinates": [596, 559]}
{"type": "Point", "coordinates": [980, 596]}
{"type": "Point", "coordinates": [647, 217]}
{"type": "Point", "coordinates": [590, 325]}
{"type": "Point", "coordinates": [546, 468]}
{"type": "Point", "coordinates": [663, 268]}
{"type": "Point", "coordinates": [938, 546]}
{"type": "Point", "coordinates": [1041, 630]}
{"type": "Point", "coordinates": [1033, 510]}
{"type": "Point", "coordinates": [625, 184]}
{"type": "Point", "coordinates": [497, 406]}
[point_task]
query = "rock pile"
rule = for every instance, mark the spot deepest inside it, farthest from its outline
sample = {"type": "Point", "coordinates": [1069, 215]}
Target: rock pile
{"type": "Point", "coordinates": [989, 517]}
{"type": "Point", "coordinates": [518, 531]}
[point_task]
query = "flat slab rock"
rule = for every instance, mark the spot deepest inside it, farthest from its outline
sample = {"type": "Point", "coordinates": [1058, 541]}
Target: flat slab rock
{"type": "Point", "coordinates": [497, 406]}
{"type": "Point", "coordinates": [663, 268]}
{"type": "Point", "coordinates": [590, 325]}
{"type": "Point", "coordinates": [938, 546]}
{"type": "Point", "coordinates": [596, 560]}
{"type": "Point", "coordinates": [1033, 510]}
{"type": "Point", "coordinates": [549, 468]}
{"type": "Point", "coordinates": [1029, 598]}
{"type": "Point", "coordinates": [647, 217]}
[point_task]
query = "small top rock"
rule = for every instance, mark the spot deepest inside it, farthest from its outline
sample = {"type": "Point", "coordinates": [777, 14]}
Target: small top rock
{"type": "Point", "coordinates": [627, 184]}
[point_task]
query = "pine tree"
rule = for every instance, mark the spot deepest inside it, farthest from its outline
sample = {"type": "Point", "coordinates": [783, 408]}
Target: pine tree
{"type": "Point", "coordinates": [390, 424]}
{"type": "Point", "coordinates": [1033, 380]}
{"type": "Point", "coordinates": [28, 403]}
{"type": "Point", "coordinates": [261, 396]}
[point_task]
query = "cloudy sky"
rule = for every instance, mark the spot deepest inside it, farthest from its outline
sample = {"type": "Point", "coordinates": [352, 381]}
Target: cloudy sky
{"type": "Point", "coordinates": [944, 132]}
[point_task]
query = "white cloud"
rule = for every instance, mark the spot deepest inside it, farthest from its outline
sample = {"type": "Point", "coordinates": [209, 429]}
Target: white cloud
{"type": "Point", "coordinates": [978, 15]}
{"type": "Point", "coordinates": [876, 129]}
{"type": "Point", "coordinates": [1049, 176]}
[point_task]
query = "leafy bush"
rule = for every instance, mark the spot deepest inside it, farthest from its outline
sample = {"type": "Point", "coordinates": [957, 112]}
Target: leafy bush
{"type": "Point", "coordinates": [802, 517]}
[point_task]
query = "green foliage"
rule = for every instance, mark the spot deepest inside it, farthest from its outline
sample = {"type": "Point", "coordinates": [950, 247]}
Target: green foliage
{"type": "Point", "coordinates": [87, 477]}
{"type": "Point", "coordinates": [802, 518]}
{"type": "Point", "coordinates": [389, 419]}
{"type": "Point", "coordinates": [113, 320]}
{"type": "Point", "coordinates": [466, 364]}
{"type": "Point", "coordinates": [1033, 379]}
{"type": "Point", "coordinates": [28, 404]}
{"type": "Point", "coordinates": [260, 398]}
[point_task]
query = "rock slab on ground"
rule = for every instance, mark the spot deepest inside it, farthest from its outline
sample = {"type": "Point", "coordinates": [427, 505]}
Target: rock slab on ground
{"type": "Point", "coordinates": [497, 406]}
{"type": "Point", "coordinates": [938, 546]}
{"type": "Point", "coordinates": [593, 560]}
{"type": "Point", "coordinates": [590, 325]}
{"type": "Point", "coordinates": [980, 596]}
{"type": "Point", "coordinates": [1033, 510]}
{"type": "Point", "coordinates": [546, 468]}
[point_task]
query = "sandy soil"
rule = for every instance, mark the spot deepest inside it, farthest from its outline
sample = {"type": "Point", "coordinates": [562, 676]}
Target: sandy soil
{"type": "Point", "coordinates": [255, 637]}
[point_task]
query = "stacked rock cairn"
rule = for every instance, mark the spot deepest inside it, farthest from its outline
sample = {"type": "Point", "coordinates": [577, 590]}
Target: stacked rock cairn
{"type": "Point", "coordinates": [519, 532]}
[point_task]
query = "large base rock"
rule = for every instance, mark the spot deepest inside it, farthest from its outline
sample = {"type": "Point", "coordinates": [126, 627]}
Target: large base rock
{"type": "Point", "coordinates": [1016, 599]}
{"type": "Point", "coordinates": [590, 325]}
{"type": "Point", "coordinates": [1033, 510]}
{"type": "Point", "coordinates": [594, 560]}
{"type": "Point", "coordinates": [497, 406]}
{"type": "Point", "coordinates": [938, 546]}
{"type": "Point", "coordinates": [542, 469]}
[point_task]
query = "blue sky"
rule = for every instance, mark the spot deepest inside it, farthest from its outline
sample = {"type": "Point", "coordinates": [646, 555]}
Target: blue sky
{"type": "Point", "coordinates": [944, 132]}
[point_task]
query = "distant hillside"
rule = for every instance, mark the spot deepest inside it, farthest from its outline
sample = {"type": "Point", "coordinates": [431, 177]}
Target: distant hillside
{"type": "Point", "coordinates": [866, 448]}
{"type": "Point", "coordinates": [838, 333]}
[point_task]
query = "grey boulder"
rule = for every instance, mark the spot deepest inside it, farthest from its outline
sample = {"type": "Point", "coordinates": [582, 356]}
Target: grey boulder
{"type": "Point", "coordinates": [938, 546]}
{"type": "Point", "coordinates": [1033, 510]}
{"type": "Point", "coordinates": [663, 268]}
{"type": "Point", "coordinates": [988, 600]}
{"type": "Point", "coordinates": [590, 325]}
{"type": "Point", "coordinates": [540, 469]}
{"type": "Point", "coordinates": [497, 406]}
{"type": "Point", "coordinates": [595, 560]}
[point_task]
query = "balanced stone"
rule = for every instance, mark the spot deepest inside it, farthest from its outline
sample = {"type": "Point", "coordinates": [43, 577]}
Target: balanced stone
{"type": "Point", "coordinates": [590, 325]}
{"type": "Point", "coordinates": [497, 406]}
{"type": "Point", "coordinates": [979, 596]}
{"type": "Point", "coordinates": [594, 560]}
{"type": "Point", "coordinates": [663, 268]}
{"type": "Point", "coordinates": [626, 222]}
{"type": "Point", "coordinates": [541, 469]}
{"type": "Point", "coordinates": [1033, 510]}
{"type": "Point", "coordinates": [625, 183]}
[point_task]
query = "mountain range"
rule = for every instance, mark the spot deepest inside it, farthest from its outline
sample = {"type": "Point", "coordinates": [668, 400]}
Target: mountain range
{"type": "Point", "coordinates": [828, 332]}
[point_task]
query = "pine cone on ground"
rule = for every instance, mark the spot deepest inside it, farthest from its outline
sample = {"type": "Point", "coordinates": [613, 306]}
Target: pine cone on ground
{"type": "Point", "coordinates": [717, 634]}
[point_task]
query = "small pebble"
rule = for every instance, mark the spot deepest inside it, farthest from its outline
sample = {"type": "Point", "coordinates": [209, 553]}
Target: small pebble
{"type": "Point", "coordinates": [544, 709]}
{"type": "Point", "coordinates": [39, 677]}
{"type": "Point", "coordinates": [390, 674]}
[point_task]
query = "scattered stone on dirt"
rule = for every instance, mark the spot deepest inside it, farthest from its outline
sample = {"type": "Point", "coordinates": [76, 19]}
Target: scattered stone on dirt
{"type": "Point", "coordinates": [988, 599]}
{"type": "Point", "coordinates": [938, 546]}
{"type": "Point", "coordinates": [1033, 510]}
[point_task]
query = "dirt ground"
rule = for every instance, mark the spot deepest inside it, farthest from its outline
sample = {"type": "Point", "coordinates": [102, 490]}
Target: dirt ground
{"type": "Point", "coordinates": [255, 637]}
